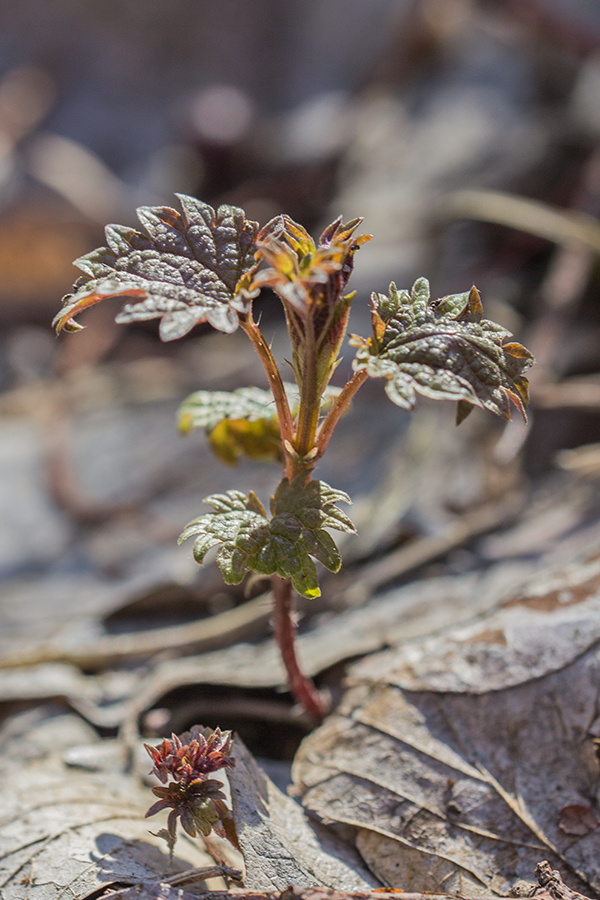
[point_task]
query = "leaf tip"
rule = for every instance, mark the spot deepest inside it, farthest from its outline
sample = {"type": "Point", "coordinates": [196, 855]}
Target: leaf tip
{"type": "Point", "coordinates": [475, 306]}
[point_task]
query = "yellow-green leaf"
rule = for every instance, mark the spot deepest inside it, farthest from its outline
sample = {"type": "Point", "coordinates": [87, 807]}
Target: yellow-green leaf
{"type": "Point", "coordinates": [242, 422]}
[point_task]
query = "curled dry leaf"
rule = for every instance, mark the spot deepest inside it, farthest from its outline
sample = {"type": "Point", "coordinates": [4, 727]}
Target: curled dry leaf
{"type": "Point", "coordinates": [452, 756]}
{"type": "Point", "coordinates": [189, 267]}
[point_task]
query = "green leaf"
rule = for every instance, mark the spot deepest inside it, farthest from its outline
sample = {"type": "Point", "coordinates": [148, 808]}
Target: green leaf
{"type": "Point", "coordinates": [283, 545]}
{"type": "Point", "coordinates": [203, 814]}
{"type": "Point", "coordinates": [237, 526]}
{"type": "Point", "coordinates": [189, 267]}
{"type": "Point", "coordinates": [205, 409]}
{"type": "Point", "coordinates": [238, 423]}
{"type": "Point", "coordinates": [242, 422]}
{"type": "Point", "coordinates": [443, 349]}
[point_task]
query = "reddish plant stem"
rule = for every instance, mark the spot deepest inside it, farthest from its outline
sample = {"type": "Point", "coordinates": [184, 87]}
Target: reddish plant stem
{"type": "Point", "coordinates": [302, 688]}
{"type": "Point", "coordinates": [338, 408]}
{"type": "Point", "coordinates": [286, 423]}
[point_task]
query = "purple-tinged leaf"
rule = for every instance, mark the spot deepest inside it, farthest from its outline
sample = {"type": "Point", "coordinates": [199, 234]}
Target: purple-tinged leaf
{"type": "Point", "coordinates": [445, 350]}
{"type": "Point", "coordinates": [190, 267]}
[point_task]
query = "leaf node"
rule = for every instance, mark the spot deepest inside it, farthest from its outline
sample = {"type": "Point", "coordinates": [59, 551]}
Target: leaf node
{"type": "Point", "coordinates": [283, 545]}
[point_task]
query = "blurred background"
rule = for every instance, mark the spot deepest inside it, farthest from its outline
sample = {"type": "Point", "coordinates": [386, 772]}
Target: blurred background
{"type": "Point", "coordinates": [465, 132]}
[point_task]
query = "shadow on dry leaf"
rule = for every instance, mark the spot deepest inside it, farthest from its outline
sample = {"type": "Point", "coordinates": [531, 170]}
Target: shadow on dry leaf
{"type": "Point", "coordinates": [281, 845]}
{"type": "Point", "coordinates": [70, 829]}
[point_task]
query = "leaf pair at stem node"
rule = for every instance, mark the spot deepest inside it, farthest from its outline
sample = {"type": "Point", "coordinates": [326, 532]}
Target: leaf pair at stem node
{"type": "Point", "coordinates": [283, 545]}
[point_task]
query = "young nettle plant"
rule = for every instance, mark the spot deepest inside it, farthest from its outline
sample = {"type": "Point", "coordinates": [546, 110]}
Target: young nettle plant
{"type": "Point", "coordinates": [203, 265]}
{"type": "Point", "coordinates": [184, 765]}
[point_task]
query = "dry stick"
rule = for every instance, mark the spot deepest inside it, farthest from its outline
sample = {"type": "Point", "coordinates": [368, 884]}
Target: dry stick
{"type": "Point", "coordinates": [358, 586]}
{"type": "Point", "coordinates": [238, 624]}
{"type": "Point", "coordinates": [551, 888]}
{"type": "Point", "coordinates": [284, 626]}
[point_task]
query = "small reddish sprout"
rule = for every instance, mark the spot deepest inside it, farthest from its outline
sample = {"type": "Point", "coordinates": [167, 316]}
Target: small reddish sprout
{"type": "Point", "coordinates": [192, 796]}
{"type": "Point", "coordinates": [191, 755]}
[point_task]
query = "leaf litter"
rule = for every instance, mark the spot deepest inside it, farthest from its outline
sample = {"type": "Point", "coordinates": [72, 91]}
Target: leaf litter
{"type": "Point", "coordinates": [281, 845]}
{"type": "Point", "coordinates": [455, 758]}
{"type": "Point", "coordinates": [444, 744]}
{"type": "Point", "coordinates": [72, 822]}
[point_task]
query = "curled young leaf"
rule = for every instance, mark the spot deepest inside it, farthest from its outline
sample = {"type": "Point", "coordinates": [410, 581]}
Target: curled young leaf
{"type": "Point", "coordinates": [205, 409]}
{"type": "Point", "coordinates": [192, 755]}
{"type": "Point", "coordinates": [234, 438]}
{"type": "Point", "coordinates": [311, 279]}
{"type": "Point", "coordinates": [238, 423]}
{"type": "Point", "coordinates": [189, 267]}
{"type": "Point", "coordinates": [306, 275]}
{"type": "Point", "coordinates": [283, 545]}
{"type": "Point", "coordinates": [443, 349]}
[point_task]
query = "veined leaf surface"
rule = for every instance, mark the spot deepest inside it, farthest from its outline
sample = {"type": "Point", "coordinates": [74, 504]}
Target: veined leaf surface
{"type": "Point", "coordinates": [443, 349]}
{"type": "Point", "coordinates": [241, 422]}
{"type": "Point", "coordinates": [189, 267]}
{"type": "Point", "coordinates": [285, 544]}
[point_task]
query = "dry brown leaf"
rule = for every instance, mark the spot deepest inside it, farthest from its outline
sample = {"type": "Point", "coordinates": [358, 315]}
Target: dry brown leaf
{"type": "Point", "coordinates": [70, 828]}
{"type": "Point", "coordinates": [577, 818]}
{"type": "Point", "coordinates": [452, 756]}
{"type": "Point", "coordinates": [281, 846]}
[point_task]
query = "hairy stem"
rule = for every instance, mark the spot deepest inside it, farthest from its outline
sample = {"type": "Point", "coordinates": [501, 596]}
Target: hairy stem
{"type": "Point", "coordinates": [284, 415]}
{"type": "Point", "coordinates": [338, 408]}
{"type": "Point", "coordinates": [308, 414]}
{"type": "Point", "coordinates": [302, 688]}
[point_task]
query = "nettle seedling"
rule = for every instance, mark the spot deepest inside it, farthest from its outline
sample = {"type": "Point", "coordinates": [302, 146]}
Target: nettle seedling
{"type": "Point", "coordinates": [202, 265]}
{"type": "Point", "coordinates": [184, 765]}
